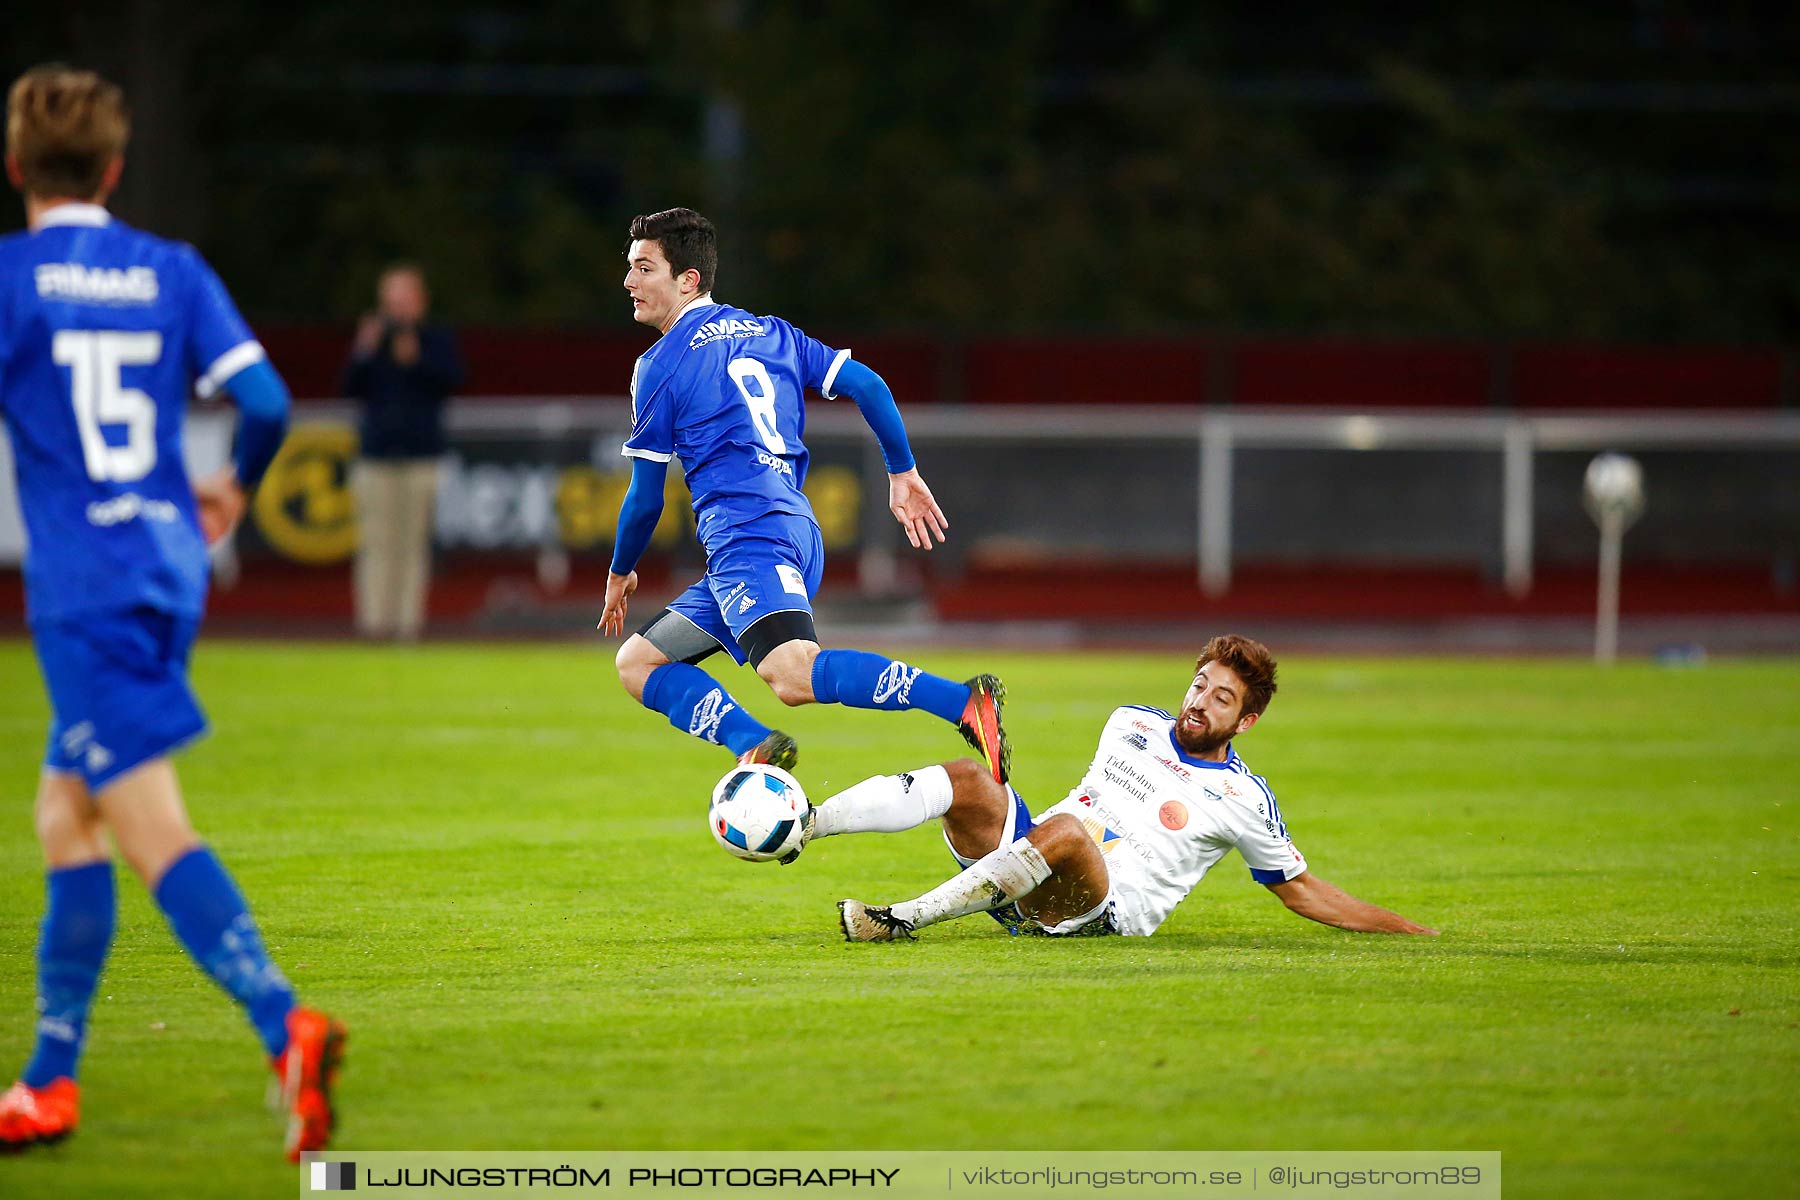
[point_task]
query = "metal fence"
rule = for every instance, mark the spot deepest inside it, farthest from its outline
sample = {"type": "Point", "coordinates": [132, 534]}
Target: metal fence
{"type": "Point", "coordinates": [1215, 487]}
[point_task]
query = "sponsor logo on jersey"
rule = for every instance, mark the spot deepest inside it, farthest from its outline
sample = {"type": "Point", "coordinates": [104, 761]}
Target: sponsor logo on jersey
{"type": "Point", "coordinates": [1174, 766]}
{"type": "Point", "coordinates": [707, 715]}
{"type": "Point", "coordinates": [774, 462]}
{"type": "Point", "coordinates": [712, 331]}
{"type": "Point", "coordinates": [1138, 740]}
{"type": "Point", "coordinates": [896, 681]}
{"type": "Point", "coordinates": [130, 507]}
{"type": "Point", "coordinates": [1104, 837]}
{"type": "Point", "coordinates": [1141, 727]}
{"type": "Point", "coordinates": [1173, 815]}
{"type": "Point", "coordinates": [791, 580]}
{"type": "Point", "coordinates": [737, 589]}
{"type": "Point", "coordinates": [97, 285]}
{"type": "Point", "coordinates": [746, 604]}
{"type": "Point", "coordinates": [1121, 774]}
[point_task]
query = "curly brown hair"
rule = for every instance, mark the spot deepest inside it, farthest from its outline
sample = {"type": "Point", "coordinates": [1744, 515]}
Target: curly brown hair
{"type": "Point", "coordinates": [64, 127]}
{"type": "Point", "coordinates": [1252, 661]}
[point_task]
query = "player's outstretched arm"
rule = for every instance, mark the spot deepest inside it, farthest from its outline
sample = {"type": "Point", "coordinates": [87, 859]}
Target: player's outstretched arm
{"type": "Point", "coordinates": [1328, 904]}
{"type": "Point", "coordinates": [638, 516]}
{"type": "Point", "coordinates": [909, 499]}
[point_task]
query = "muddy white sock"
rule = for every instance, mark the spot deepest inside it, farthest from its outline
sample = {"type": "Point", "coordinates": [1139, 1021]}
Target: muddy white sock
{"type": "Point", "coordinates": [999, 878]}
{"type": "Point", "coordinates": [886, 804]}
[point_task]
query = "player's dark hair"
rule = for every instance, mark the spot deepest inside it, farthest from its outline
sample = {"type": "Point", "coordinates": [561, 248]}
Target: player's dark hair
{"type": "Point", "coordinates": [1252, 661]}
{"type": "Point", "coordinates": [688, 241]}
{"type": "Point", "coordinates": [64, 127]}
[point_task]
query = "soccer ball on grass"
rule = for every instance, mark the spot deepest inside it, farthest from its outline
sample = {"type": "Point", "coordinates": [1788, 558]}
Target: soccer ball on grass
{"type": "Point", "coordinates": [758, 813]}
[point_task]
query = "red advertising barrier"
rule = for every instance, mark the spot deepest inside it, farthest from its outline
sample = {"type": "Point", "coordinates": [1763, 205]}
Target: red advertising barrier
{"type": "Point", "coordinates": [1296, 372]}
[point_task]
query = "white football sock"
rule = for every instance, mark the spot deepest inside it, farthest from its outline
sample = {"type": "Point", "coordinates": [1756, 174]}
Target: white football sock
{"type": "Point", "coordinates": [1002, 877]}
{"type": "Point", "coordinates": [886, 804]}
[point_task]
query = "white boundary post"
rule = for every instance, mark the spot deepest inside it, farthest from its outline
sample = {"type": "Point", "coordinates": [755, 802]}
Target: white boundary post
{"type": "Point", "coordinates": [1216, 437]}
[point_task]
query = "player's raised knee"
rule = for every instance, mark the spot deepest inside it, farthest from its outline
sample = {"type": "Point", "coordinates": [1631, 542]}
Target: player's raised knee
{"type": "Point", "coordinates": [966, 774]}
{"type": "Point", "coordinates": [789, 690]}
{"type": "Point", "coordinates": [1060, 838]}
{"type": "Point", "coordinates": [636, 659]}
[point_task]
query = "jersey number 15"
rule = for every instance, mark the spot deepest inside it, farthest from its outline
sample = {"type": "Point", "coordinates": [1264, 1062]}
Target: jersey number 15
{"type": "Point", "coordinates": [95, 360]}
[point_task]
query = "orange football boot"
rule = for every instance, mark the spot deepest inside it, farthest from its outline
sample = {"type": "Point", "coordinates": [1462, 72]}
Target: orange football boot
{"type": "Point", "coordinates": [31, 1115]}
{"type": "Point", "coordinates": [307, 1069]}
{"type": "Point", "coordinates": [980, 724]}
{"type": "Point", "coordinates": [777, 750]}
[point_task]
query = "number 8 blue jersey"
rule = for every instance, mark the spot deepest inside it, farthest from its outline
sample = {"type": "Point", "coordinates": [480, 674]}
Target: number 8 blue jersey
{"type": "Point", "coordinates": [105, 331]}
{"type": "Point", "coordinates": [722, 390]}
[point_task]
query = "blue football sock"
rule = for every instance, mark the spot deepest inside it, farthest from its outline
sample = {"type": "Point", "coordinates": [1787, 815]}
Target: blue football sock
{"type": "Point", "coordinates": [77, 932]}
{"type": "Point", "coordinates": [863, 680]}
{"type": "Point", "coordinates": [695, 703]}
{"type": "Point", "coordinates": [208, 915]}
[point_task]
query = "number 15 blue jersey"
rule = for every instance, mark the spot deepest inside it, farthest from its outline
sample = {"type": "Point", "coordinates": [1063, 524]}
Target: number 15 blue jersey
{"type": "Point", "coordinates": [723, 391]}
{"type": "Point", "coordinates": [104, 333]}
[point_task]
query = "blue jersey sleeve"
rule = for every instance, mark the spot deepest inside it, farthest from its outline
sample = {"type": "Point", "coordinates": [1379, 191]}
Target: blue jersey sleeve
{"type": "Point", "coordinates": [876, 403]}
{"type": "Point", "coordinates": [652, 413]}
{"type": "Point", "coordinates": [220, 343]}
{"type": "Point", "coordinates": [819, 363]}
{"type": "Point", "coordinates": [639, 514]}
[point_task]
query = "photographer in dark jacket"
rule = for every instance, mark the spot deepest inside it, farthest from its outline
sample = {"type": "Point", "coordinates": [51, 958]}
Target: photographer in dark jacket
{"type": "Point", "coordinates": [402, 370]}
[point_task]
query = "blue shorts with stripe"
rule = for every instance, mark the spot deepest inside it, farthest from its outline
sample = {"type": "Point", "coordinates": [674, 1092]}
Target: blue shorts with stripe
{"type": "Point", "coordinates": [119, 694]}
{"type": "Point", "coordinates": [769, 565]}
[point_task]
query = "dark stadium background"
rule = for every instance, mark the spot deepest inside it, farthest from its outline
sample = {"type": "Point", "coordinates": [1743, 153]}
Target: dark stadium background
{"type": "Point", "coordinates": [1128, 214]}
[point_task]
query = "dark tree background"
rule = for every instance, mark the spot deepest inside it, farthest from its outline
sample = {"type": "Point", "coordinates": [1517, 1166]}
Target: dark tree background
{"type": "Point", "coordinates": [1623, 171]}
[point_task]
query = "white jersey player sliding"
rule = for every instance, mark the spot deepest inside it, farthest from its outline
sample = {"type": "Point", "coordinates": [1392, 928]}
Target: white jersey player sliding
{"type": "Point", "coordinates": [1165, 798]}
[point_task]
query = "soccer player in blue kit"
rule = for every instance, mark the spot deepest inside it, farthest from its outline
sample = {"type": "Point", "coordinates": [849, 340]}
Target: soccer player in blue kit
{"type": "Point", "coordinates": [722, 389]}
{"type": "Point", "coordinates": [103, 330]}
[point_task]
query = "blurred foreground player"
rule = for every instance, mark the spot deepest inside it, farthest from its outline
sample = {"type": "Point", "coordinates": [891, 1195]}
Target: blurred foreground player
{"type": "Point", "coordinates": [103, 330]}
{"type": "Point", "coordinates": [1165, 799]}
{"type": "Point", "coordinates": [722, 389]}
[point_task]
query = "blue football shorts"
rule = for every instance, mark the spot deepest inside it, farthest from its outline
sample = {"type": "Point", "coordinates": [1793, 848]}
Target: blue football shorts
{"type": "Point", "coordinates": [119, 694]}
{"type": "Point", "coordinates": [770, 565]}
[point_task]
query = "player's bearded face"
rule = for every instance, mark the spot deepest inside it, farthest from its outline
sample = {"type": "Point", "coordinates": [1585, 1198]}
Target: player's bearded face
{"type": "Point", "coordinates": [1211, 711]}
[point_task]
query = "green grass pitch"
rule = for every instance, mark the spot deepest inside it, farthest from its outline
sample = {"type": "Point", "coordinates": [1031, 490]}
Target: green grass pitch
{"type": "Point", "coordinates": [495, 867]}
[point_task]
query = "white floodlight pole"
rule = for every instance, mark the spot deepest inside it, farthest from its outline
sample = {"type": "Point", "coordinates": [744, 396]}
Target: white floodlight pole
{"type": "Point", "coordinates": [1613, 494]}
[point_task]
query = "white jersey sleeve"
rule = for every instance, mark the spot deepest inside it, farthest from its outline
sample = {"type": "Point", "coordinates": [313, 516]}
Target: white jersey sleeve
{"type": "Point", "coordinates": [1262, 835]}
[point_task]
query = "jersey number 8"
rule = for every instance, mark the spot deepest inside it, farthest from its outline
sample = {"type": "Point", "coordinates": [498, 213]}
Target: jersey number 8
{"type": "Point", "coordinates": [95, 360]}
{"type": "Point", "coordinates": [744, 372]}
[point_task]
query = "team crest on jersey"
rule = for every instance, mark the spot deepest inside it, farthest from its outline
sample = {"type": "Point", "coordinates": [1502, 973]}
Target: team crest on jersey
{"type": "Point", "coordinates": [712, 331]}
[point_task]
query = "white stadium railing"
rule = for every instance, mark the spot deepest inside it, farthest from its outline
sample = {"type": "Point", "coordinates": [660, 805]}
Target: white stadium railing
{"type": "Point", "coordinates": [1217, 435]}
